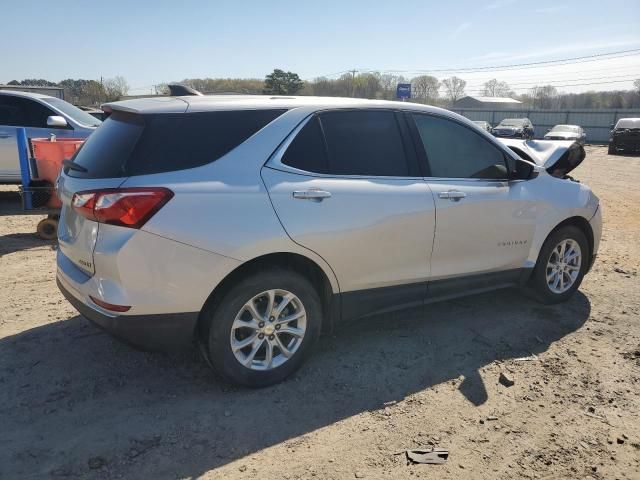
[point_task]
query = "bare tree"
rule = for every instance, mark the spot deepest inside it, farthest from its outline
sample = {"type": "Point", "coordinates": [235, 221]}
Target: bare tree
{"type": "Point", "coordinates": [388, 84]}
{"type": "Point", "coordinates": [544, 96]}
{"type": "Point", "coordinates": [636, 84]}
{"type": "Point", "coordinates": [494, 88]}
{"type": "Point", "coordinates": [116, 87]}
{"type": "Point", "coordinates": [425, 88]}
{"type": "Point", "coordinates": [454, 88]}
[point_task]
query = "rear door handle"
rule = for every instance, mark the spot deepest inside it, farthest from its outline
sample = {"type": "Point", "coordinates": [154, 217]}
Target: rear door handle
{"type": "Point", "coordinates": [453, 195]}
{"type": "Point", "coordinates": [312, 194]}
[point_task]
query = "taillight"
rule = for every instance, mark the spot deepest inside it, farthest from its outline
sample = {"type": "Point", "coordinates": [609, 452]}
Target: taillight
{"type": "Point", "coordinates": [126, 207]}
{"type": "Point", "coordinates": [110, 306]}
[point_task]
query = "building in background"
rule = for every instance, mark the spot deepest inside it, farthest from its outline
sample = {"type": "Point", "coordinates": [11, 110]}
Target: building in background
{"type": "Point", "coordinates": [51, 91]}
{"type": "Point", "coordinates": [486, 102]}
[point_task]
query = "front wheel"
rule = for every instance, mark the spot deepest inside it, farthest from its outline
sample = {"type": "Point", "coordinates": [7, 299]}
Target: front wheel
{"type": "Point", "coordinates": [263, 329]}
{"type": "Point", "coordinates": [612, 150]}
{"type": "Point", "coordinates": [562, 263]}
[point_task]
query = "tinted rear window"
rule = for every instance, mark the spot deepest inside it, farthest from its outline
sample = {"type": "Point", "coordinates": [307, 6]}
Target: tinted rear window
{"type": "Point", "coordinates": [307, 151]}
{"type": "Point", "coordinates": [128, 144]}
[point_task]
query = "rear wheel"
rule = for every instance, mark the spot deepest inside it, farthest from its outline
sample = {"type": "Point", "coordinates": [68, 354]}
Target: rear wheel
{"type": "Point", "coordinates": [263, 329]}
{"type": "Point", "coordinates": [562, 263]}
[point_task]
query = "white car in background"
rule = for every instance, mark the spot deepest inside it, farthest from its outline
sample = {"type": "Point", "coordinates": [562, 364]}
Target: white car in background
{"type": "Point", "coordinates": [574, 133]}
{"type": "Point", "coordinates": [42, 116]}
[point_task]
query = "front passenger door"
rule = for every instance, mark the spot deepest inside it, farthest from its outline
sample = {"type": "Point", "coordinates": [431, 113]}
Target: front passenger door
{"type": "Point", "coordinates": [484, 221]}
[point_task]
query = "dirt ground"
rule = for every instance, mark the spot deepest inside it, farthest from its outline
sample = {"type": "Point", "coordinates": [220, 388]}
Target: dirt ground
{"type": "Point", "coordinates": [74, 403]}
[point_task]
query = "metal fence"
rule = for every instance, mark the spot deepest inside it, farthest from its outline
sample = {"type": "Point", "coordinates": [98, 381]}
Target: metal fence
{"type": "Point", "coordinates": [596, 123]}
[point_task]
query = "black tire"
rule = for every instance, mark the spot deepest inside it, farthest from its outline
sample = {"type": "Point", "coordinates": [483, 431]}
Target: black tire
{"type": "Point", "coordinates": [218, 319]}
{"type": "Point", "coordinates": [537, 286]}
{"type": "Point", "coordinates": [612, 150]}
{"type": "Point", "coordinates": [47, 229]}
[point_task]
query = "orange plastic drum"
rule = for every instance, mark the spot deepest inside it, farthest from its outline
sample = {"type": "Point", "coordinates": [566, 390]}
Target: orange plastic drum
{"type": "Point", "coordinates": [49, 156]}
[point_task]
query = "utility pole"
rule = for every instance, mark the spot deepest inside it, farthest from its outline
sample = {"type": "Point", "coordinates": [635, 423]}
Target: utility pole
{"type": "Point", "coordinates": [353, 81]}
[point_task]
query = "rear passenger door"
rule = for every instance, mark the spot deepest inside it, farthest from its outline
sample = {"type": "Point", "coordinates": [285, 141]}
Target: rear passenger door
{"type": "Point", "coordinates": [346, 185]}
{"type": "Point", "coordinates": [485, 221]}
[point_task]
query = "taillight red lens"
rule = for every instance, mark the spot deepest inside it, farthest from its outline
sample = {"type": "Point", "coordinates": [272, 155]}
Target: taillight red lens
{"type": "Point", "coordinates": [110, 306]}
{"type": "Point", "coordinates": [126, 207]}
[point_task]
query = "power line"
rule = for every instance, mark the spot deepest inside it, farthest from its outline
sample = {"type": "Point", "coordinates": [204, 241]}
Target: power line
{"type": "Point", "coordinates": [516, 76]}
{"type": "Point", "coordinates": [566, 85]}
{"type": "Point", "coordinates": [565, 61]}
{"type": "Point", "coordinates": [632, 76]}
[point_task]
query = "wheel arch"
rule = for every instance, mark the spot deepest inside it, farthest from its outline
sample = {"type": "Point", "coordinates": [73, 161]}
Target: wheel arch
{"type": "Point", "coordinates": [581, 223]}
{"type": "Point", "coordinates": [288, 260]}
{"type": "Point", "coordinates": [577, 221]}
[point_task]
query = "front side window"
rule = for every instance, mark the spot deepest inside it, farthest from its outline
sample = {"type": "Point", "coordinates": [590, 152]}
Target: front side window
{"type": "Point", "coordinates": [364, 142]}
{"type": "Point", "coordinates": [10, 114]}
{"type": "Point", "coordinates": [83, 118]}
{"type": "Point", "coordinates": [23, 112]}
{"type": "Point", "coordinates": [454, 151]}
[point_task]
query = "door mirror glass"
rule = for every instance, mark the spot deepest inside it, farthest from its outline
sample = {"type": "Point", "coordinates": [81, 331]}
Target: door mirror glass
{"type": "Point", "coordinates": [523, 170]}
{"type": "Point", "coordinates": [56, 121]}
{"type": "Point", "coordinates": [496, 171]}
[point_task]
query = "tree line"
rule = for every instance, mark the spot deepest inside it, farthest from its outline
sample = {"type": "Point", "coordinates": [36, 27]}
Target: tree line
{"type": "Point", "coordinates": [81, 91]}
{"type": "Point", "coordinates": [426, 89]}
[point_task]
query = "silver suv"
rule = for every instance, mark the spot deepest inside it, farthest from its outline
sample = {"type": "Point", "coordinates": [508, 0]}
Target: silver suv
{"type": "Point", "coordinates": [253, 224]}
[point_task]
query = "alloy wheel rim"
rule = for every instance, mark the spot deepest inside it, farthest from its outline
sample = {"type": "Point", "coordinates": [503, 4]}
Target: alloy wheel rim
{"type": "Point", "coordinates": [268, 330]}
{"type": "Point", "coordinates": [563, 266]}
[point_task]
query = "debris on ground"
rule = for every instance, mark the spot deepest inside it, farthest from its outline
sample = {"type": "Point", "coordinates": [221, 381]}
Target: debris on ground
{"type": "Point", "coordinates": [435, 456]}
{"type": "Point", "coordinates": [506, 380]}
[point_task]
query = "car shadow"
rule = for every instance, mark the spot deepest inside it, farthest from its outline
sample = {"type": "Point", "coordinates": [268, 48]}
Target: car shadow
{"type": "Point", "coordinates": [70, 393]}
{"type": "Point", "coordinates": [10, 202]}
{"type": "Point", "coordinates": [17, 242]}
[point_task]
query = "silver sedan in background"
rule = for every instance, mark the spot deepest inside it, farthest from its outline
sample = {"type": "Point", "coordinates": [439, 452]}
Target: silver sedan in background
{"type": "Point", "coordinates": [567, 132]}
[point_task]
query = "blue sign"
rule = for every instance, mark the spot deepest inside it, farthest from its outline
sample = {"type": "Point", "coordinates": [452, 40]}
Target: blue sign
{"type": "Point", "coordinates": [403, 91]}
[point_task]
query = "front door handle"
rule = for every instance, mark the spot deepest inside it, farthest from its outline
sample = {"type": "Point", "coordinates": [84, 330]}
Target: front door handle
{"type": "Point", "coordinates": [4, 135]}
{"type": "Point", "coordinates": [312, 194]}
{"type": "Point", "coordinates": [453, 195]}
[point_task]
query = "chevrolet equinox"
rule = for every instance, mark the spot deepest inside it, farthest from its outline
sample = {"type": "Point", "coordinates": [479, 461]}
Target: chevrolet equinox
{"type": "Point", "coordinates": [252, 224]}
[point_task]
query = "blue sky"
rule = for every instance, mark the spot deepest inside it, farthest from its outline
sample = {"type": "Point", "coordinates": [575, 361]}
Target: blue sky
{"type": "Point", "coordinates": [150, 42]}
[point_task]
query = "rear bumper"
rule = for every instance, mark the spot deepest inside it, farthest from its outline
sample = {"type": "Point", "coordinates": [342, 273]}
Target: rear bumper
{"type": "Point", "coordinates": [157, 332]}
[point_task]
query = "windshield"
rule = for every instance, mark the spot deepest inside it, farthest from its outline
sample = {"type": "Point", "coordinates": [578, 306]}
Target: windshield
{"type": "Point", "coordinates": [566, 128]}
{"type": "Point", "coordinates": [512, 122]}
{"type": "Point", "coordinates": [628, 123]}
{"type": "Point", "coordinates": [83, 118]}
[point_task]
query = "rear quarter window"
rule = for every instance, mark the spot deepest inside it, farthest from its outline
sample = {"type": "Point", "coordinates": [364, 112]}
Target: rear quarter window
{"type": "Point", "coordinates": [129, 144]}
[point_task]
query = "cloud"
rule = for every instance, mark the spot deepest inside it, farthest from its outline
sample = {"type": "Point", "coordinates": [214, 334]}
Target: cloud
{"type": "Point", "coordinates": [499, 4]}
{"type": "Point", "coordinates": [459, 29]}
{"type": "Point", "coordinates": [550, 9]}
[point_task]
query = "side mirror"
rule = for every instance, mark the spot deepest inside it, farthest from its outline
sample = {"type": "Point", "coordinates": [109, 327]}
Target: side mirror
{"type": "Point", "coordinates": [548, 130]}
{"type": "Point", "coordinates": [523, 171]}
{"type": "Point", "coordinates": [56, 121]}
{"type": "Point", "coordinates": [612, 126]}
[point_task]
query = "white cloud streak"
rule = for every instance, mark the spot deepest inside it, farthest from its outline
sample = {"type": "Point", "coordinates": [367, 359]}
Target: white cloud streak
{"type": "Point", "coordinates": [459, 29]}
